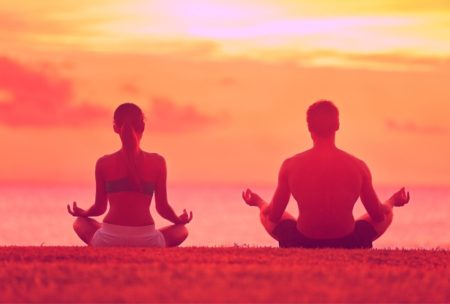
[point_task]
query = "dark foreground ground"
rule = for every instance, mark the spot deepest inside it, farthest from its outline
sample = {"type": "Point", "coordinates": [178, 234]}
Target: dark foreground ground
{"type": "Point", "coordinates": [78, 274]}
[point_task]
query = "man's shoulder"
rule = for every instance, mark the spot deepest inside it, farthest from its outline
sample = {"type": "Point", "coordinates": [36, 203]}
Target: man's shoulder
{"type": "Point", "coordinates": [296, 159]}
{"type": "Point", "coordinates": [357, 161]}
{"type": "Point", "coordinates": [153, 155]}
{"type": "Point", "coordinates": [300, 156]}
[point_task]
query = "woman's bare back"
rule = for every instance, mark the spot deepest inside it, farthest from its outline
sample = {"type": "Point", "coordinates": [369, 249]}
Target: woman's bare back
{"type": "Point", "coordinates": [130, 206]}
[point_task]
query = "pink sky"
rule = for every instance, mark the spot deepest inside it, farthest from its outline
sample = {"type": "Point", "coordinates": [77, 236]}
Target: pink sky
{"type": "Point", "coordinates": [224, 86]}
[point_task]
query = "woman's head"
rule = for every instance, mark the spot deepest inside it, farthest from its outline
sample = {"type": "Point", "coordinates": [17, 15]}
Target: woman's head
{"type": "Point", "coordinates": [129, 124]}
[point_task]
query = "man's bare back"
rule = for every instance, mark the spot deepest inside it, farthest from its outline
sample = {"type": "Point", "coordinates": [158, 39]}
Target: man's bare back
{"type": "Point", "coordinates": [326, 184]}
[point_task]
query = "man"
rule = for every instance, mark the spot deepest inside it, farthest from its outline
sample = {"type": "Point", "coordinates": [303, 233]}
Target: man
{"type": "Point", "coordinates": [326, 182]}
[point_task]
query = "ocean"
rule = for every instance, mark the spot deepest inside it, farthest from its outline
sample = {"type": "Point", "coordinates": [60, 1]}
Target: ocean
{"type": "Point", "coordinates": [37, 216]}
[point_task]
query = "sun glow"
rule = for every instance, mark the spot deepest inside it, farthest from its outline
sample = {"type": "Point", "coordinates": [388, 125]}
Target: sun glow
{"type": "Point", "coordinates": [262, 30]}
{"type": "Point", "coordinates": [230, 74]}
{"type": "Point", "coordinates": [254, 29]}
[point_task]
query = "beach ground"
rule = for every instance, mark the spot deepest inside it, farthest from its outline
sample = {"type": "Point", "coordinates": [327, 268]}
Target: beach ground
{"type": "Point", "coordinates": [235, 274]}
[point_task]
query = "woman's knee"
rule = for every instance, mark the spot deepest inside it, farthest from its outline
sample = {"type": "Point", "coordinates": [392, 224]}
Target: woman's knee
{"type": "Point", "coordinates": [83, 223]}
{"type": "Point", "coordinates": [182, 231]}
{"type": "Point", "coordinates": [176, 235]}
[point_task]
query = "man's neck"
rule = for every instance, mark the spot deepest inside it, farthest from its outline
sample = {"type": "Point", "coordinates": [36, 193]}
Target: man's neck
{"type": "Point", "coordinates": [323, 143]}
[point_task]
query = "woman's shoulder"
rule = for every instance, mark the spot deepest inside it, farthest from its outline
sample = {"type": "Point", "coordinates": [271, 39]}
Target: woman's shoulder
{"type": "Point", "coordinates": [107, 157]}
{"type": "Point", "coordinates": [155, 157]}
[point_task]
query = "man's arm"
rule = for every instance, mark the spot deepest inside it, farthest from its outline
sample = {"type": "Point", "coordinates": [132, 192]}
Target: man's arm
{"type": "Point", "coordinates": [380, 215]}
{"type": "Point", "coordinates": [369, 198]}
{"type": "Point", "coordinates": [271, 215]}
{"type": "Point", "coordinates": [281, 196]}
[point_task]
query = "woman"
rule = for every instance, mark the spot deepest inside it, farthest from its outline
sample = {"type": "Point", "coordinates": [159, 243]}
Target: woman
{"type": "Point", "coordinates": [128, 179]}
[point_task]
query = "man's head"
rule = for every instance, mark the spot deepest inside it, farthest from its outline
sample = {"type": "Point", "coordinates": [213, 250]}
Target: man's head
{"type": "Point", "coordinates": [323, 118]}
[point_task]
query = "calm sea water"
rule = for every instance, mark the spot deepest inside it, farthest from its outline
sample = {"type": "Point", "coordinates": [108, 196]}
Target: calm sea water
{"type": "Point", "coordinates": [38, 216]}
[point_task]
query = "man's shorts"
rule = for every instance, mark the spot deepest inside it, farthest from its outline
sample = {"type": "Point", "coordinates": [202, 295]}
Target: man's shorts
{"type": "Point", "coordinates": [288, 236]}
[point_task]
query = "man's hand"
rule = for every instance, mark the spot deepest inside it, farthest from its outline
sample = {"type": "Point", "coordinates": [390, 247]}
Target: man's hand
{"type": "Point", "coordinates": [251, 198]}
{"type": "Point", "coordinates": [76, 211]}
{"type": "Point", "coordinates": [399, 198]}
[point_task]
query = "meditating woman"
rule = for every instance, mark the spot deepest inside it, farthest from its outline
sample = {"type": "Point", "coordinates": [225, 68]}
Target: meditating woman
{"type": "Point", "coordinates": [128, 179]}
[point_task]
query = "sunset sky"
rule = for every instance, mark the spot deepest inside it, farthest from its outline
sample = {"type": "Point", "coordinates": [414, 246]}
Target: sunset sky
{"type": "Point", "coordinates": [224, 85]}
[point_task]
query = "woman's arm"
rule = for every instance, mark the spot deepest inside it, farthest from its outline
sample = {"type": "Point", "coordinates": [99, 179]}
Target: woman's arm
{"type": "Point", "coordinates": [161, 201]}
{"type": "Point", "coordinates": [101, 200]}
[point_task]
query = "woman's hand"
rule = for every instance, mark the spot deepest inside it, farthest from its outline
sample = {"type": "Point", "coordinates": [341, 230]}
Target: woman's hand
{"type": "Point", "coordinates": [251, 198]}
{"type": "Point", "coordinates": [185, 218]}
{"type": "Point", "coordinates": [399, 198]}
{"type": "Point", "coordinates": [76, 211]}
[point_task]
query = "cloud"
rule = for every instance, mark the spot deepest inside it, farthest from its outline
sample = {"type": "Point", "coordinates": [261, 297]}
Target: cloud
{"type": "Point", "coordinates": [29, 98]}
{"type": "Point", "coordinates": [376, 61]}
{"type": "Point", "coordinates": [227, 81]}
{"type": "Point", "coordinates": [168, 117]}
{"type": "Point", "coordinates": [130, 88]}
{"type": "Point", "coordinates": [413, 127]}
{"type": "Point", "coordinates": [196, 48]}
{"type": "Point", "coordinates": [394, 61]}
{"type": "Point", "coordinates": [20, 23]}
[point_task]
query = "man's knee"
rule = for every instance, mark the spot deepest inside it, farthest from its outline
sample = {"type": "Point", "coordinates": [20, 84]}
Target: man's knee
{"type": "Point", "coordinates": [389, 218]}
{"type": "Point", "coordinates": [77, 224]}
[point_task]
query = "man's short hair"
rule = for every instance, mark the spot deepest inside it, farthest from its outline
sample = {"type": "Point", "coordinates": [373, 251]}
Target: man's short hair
{"type": "Point", "coordinates": [323, 118]}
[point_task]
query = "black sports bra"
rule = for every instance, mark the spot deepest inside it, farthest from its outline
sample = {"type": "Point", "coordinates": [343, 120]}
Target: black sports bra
{"type": "Point", "coordinates": [124, 184]}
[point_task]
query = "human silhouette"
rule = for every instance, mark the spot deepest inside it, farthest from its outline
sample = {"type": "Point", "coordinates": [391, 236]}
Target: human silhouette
{"type": "Point", "coordinates": [326, 182]}
{"type": "Point", "coordinates": [128, 179]}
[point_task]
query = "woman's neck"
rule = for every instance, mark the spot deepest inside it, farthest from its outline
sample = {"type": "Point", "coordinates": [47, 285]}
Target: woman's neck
{"type": "Point", "coordinates": [131, 151]}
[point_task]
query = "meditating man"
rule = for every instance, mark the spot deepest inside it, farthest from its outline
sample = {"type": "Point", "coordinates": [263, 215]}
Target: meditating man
{"type": "Point", "coordinates": [326, 182]}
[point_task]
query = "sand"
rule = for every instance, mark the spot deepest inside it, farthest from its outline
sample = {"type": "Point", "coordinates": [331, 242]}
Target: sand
{"type": "Point", "coordinates": [80, 274]}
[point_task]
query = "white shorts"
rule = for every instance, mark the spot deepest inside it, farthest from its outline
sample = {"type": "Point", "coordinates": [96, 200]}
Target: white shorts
{"type": "Point", "coordinates": [110, 235]}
